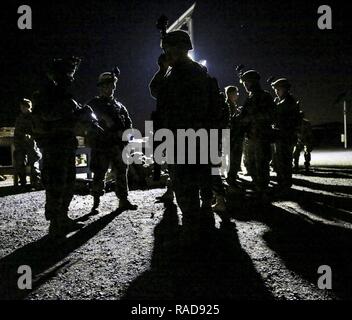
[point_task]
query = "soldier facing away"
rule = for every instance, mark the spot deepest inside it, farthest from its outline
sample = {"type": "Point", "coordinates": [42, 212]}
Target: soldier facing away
{"type": "Point", "coordinates": [56, 116]}
{"type": "Point", "coordinates": [182, 88]}
{"type": "Point", "coordinates": [26, 150]}
{"type": "Point", "coordinates": [287, 120]}
{"type": "Point", "coordinates": [107, 148]}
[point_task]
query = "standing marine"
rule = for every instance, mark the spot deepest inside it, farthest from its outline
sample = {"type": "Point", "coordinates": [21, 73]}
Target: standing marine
{"type": "Point", "coordinates": [56, 117]}
{"type": "Point", "coordinates": [287, 121]}
{"type": "Point", "coordinates": [237, 133]}
{"type": "Point", "coordinates": [26, 150]}
{"type": "Point", "coordinates": [257, 120]}
{"type": "Point", "coordinates": [185, 95]}
{"type": "Point", "coordinates": [107, 148]}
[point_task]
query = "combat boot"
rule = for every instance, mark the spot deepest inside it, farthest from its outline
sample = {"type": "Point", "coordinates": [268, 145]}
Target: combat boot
{"type": "Point", "coordinates": [96, 203]}
{"type": "Point", "coordinates": [220, 205]}
{"type": "Point", "coordinates": [59, 227]}
{"type": "Point", "coordinates": [307, 167]}
{"type": "Point", "coordinates": [125, 204]}
{"type": "Point", "coordinates": [23, 180]}
{"type": "Point", "coordinates": [168, 196]}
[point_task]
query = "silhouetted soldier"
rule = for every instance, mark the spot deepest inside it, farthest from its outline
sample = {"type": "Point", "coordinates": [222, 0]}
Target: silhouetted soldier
{"type": "Point", "coordinates": [237, 133]}
{"type": "Point", "coordinates": [219, 185]}
{"type": "Point", "coordinates": [56, 117]}
{"type": "Point", "coordinates": [107, 150]}
{"type": "Point", "coordinates": [287, 121]}
{"type": "Point", "coordinates": [26, 150]}
{"type": "Point", "coordinates": [158, 118]}
{"type": "Point", "coordinates": [257, 119]}
{"type": "Point", "coordinates": [182, 88]}
{"type": "Point", "coordinates": [304, 143]}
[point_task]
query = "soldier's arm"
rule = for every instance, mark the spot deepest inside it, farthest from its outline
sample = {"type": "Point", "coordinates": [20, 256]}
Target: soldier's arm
{"type": "Point", "coordinates": [156, 83]}
{"type": "Point", "coordinates": [271, 108]}
{"type": "Point", "coordinates": [128, 120]}
{"type": "Point", "coordinates": [19, 130]}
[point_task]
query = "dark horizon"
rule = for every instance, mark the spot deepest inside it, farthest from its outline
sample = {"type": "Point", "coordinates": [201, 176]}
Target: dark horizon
{"type": "Point", "coordinates": [277, 39]}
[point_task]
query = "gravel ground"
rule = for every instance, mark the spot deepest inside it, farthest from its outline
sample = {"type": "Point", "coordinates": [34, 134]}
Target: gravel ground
{"type": "Point", "coordinates": [267, 252]}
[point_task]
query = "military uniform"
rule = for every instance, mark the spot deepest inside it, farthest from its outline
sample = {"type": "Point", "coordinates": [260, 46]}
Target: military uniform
{"type": "Point", "coordinates": [236, 144]}
{"type": "Point", "coordinates": [26, 150]}
{"type": "Point", "coordinates": [113, 117]}
{"type": "Point", "coordinates": [56, 116]}
{"type": "Point", "coordinates": [257, 120]}
{"type": "Point", "coordinates": [184, 100]}
{"type": "Point", "coordinates": [287, 122]}
{"type": "Point", "coordinates": [304, 143]}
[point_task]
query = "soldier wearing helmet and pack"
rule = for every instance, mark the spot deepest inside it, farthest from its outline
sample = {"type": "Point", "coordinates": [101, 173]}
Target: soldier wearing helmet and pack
{"type": "Point", "coordinates": [114, 118]}
{"type": "Point", "coordinates": [257, 119]}
{"type": "Point", "coordinates": [56, 117]}
{"type": "Point", "coordinates": [26, 150]}
{"type": "Point", "coordinates": [287, 121]}
{"type": "Point", "coordinates": [182, 88]}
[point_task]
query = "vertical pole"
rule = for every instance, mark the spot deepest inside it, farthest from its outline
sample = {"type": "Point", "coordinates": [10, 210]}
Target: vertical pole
{"type": "Point", "coordinates": [190, 30]}
{"type": "Point", "coordinates": [345, 122]}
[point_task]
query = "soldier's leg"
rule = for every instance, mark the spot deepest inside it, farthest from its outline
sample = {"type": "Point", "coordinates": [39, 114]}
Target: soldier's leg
{"type": "Point", "coordinates": [246, 157]}
{"type": "Point", "coordinates": [262, 168]}
{"type": "Point", "coordinates": [296, 154]}
{"type": "Point", "coordinates": [219, 193]}
{"type": "Point", "coordinates": [70, 179]}
{"type": "Point", "coordinates": [307, 156]}
{"type": "Point", "coordinates": [58, 179]}
{"type": "Point", "coordinates": [283, 156]}
{"type": "Point", "coordinates": [251, 159]}
{"type": "Point", "coordinates": [236, 152]}
{"type": "Point", "coordinates": [34, 156]}
{"type": "Point", "coordinates": [120, 172]}
{"type": "Point", "coordinates": [187, 192]}
{"type": "Point", "coordinates": [20, 164]}
{"type": "Point", "coordinates": [53, 180]}
{"type": "Point", "coordinates": [206, 185]}
{"type": "Point", "coordinates": [99, 166]}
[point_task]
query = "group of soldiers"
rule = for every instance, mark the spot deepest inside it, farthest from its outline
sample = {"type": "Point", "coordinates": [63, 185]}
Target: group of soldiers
{"type": "Point", "coordinates": [53, 121]}
{"type": "Point", "coordinates": [267, 131]}
{"type": "Point", "coordinates": [264, 129]}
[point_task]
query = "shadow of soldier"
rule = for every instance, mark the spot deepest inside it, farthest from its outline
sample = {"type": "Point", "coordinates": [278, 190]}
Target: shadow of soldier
{"type": "Point", "coordinates": [329, 172]}
{"type": "Point", "coordinates": [323, 187]}
{"type": "Point", "coordinates": [327, 206]}
{"type": "Point", "coordinates": [215, 267]}
{"type": "Point", "coordinates": [11, 190]}
{"type": "Point", "coordinates": [45, 258]}
{"type": "Point", "coordinates": [312, 232]}
{"type": "Point", "coordinates": [304, 245]}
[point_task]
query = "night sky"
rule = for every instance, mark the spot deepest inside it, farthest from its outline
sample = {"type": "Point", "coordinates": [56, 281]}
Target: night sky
{"type": "Point", "coordinates": [277, 38]}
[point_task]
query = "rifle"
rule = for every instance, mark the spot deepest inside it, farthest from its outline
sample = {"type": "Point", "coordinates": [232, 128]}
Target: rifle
{"type": "Point", "coordinates": [239, 70]}
{"type": "Point", "coordinates": [161, 25]}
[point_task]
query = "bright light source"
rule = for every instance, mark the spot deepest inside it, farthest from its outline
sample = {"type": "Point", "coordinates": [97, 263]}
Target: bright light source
{"type": "Point", "coordinates": [203, 62]}
{"type": "Point", "coordinates": [191, 54]}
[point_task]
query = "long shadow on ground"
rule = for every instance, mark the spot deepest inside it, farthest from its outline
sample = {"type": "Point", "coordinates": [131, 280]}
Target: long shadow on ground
{"type": "Point", "coordinates": [45, 257]}
{"type": "Point", "coordinates": [323, 187]}
{"type": "Point", "coordinates": [303, 243]}
{"type": "Point", "coordinates": [214, 268]}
